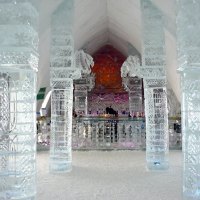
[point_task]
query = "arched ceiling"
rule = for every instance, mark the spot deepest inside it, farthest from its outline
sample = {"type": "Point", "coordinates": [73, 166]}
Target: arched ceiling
{"type": "Point", "coordinates": [101, 22]}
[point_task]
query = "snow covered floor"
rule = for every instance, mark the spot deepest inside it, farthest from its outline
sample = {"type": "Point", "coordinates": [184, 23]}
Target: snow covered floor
{"type": "Point", "coordinates": [113, 175]}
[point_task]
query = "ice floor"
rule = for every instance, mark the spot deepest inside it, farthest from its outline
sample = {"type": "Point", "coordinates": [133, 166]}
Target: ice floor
{"type": "Point", "coordinates": [112, 175]}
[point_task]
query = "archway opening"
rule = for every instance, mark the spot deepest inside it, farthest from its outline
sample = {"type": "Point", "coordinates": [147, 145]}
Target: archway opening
{"type": "Point", "coordinates": [108, 91]}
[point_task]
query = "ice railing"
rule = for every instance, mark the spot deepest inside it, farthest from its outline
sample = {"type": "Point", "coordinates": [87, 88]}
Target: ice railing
{"type": "Point", "coordinates": [117, 133]}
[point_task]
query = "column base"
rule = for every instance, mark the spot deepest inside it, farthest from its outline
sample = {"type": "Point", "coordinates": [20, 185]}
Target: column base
{"type": "Point", "coordinates": [59, 165]}
{"type": "Point", "coordinates": [18, 194]}
{"type": "Point", "coordinates": [191, 195]}
{"type": "Point", "coordinates": [157, 165]}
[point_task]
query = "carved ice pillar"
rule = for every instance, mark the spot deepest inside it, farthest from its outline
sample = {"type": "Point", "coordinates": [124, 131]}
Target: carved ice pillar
{"type": "Point", "coordinates": [18, 66]}
{"type": "Point", "coordinates": [131, 77]}
{"type": "Point", "coordinates": [84, 62]}
{"type": "Point", "coordinates": [153, 72]}
{"type": "Point", "coordinates": [63, 72]}
{"type": "Point", "coordinates": [188, 29]}
{"type": "Point", "coordinates": [81, 88]}
{"type": "Point", "coordinates": [133, 85]}
{"type": "Point", "coordinates": [81, 99]}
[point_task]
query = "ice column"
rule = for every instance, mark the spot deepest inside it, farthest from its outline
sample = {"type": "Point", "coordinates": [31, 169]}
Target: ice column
{"type": "Point", "coordinates": [153, 72]}
{"type": "Point", "coordinates": [188, 29]}
{"type": "Point", "coordinates": [131, 79]}
{"type": "Point", "coordinates": [135, 97]}
{"type": "Point", "coordinates": [63, 72]}
{"type": "Point", "coordinates": [81, 99]}
{"type": "Point", "coordinates": [84, 62]}
{"type": "Point", "coordinates": [18, 66]}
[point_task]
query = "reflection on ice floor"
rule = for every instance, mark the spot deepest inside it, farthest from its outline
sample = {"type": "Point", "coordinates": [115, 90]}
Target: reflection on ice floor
{"type": "Point", "coordinates": [110, 175]}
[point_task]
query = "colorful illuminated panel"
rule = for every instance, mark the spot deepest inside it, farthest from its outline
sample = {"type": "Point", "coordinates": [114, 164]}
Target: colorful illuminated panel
{"type": "Point", "coordinates": [108, 62]}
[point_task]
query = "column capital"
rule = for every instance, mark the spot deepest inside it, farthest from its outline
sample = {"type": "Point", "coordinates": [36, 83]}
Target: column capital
{"type": "Point", "coordinates": [86, 81]}
{"type": "Point", "coordinates": [18, 33]}
{"type": "Point", "coordinates": [83, 61]}
{"type": "Point", "coordinates": [62, 73]}
{"type": "Point", "coordinates": [131, 67]}
{"type": "Point", "coordinates": [131, 83]}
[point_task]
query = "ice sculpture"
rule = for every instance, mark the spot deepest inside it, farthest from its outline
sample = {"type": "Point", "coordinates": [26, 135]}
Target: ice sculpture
{"type": "Point", "coordinates": [131, 67]}
{"type": "Point", "coordinates": [133, 85]}
{"type": "Point", "coordinates": [63, 72]}
{"type": "Point", "coordinates": [153, 72]}
{"type": "Point", "coordinates": [81, 88]}
{"type": "Point", "coordinates": [102, 133]}
{"type": "Point", "coordinates": [84, 62]}
{"type": "Point", "coordinates": [18, 66]}
{"type": "Point", "coordinates": [130, 73]}
{"type": "Point", "coordinates": [188, 28]}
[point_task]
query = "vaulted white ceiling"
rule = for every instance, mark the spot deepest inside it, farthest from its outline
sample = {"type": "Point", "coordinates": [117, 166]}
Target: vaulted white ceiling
{"type": "Point", "coordinates": [116, 22]}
